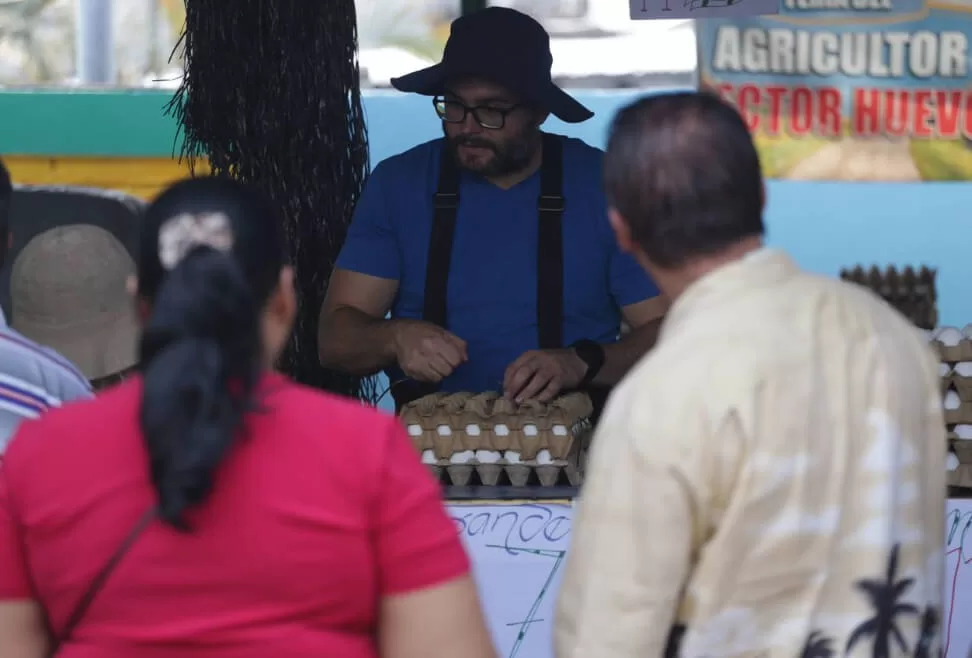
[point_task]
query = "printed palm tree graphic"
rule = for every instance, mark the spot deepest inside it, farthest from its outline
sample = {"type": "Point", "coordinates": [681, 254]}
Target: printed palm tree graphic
{"type": "Point", "coordinates": [818, 646]}
{"type": "Point", "coordinates": [929, 625]}
{"type": "Point", "coordinates": [884, 599]}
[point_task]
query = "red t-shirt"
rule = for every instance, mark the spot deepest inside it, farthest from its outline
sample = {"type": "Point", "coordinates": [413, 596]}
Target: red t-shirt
{"type": "Point", "coordinates": [322, 508]}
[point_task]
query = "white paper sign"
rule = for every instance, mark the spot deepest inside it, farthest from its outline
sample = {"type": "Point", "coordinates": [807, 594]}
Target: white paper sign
{"type": "Point", "coordinates": [667, 9]}
{"type": "Point", "coordinates": [957, 631]}
{"type": "Point", "coordinates": [518, 551]}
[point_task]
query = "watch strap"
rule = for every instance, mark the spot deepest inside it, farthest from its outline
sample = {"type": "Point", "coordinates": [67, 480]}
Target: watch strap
{"type": "Point", "coordinates": [592, 354]}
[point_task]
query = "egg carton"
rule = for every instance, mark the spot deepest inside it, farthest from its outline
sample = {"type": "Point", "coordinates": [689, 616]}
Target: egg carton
{"type": "Point", "coordinates": [953, 345]}
{"type": "Point", "coordinates": [912, 292]}
{"type": "Point", "coordinates": [465, 436]}
{"type": "Point", "coordinates": [957, 411]}
{"type": "Point", "coordinates": [568, 472]}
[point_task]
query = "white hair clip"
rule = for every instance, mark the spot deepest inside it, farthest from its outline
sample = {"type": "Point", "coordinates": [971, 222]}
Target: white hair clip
{"type": "Point", "coordinates": [181, 234]}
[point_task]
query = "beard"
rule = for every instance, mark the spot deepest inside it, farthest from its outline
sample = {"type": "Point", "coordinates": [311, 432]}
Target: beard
{"type": "Point", "coordinates": [511, 155]}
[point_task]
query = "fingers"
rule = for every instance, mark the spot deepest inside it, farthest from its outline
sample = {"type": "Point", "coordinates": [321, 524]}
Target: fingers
{"type": "Point", "coordinates": [457, 343]}
{"type": "Point", "coordinates": [538, 382]}
{"type": "Point", "coordinates": [533, 376]}
{"type": "Point", "coordinates": [551, 390]}
{"type": "Point", "coordinates": [518, 374]}
{"type": "Point", "coordinates": [446, 351]}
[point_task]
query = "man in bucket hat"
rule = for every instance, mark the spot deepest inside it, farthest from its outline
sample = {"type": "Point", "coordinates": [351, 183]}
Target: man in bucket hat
{"type": "Point", "coordinates": [32, 378]}
{"type": "Point", "coordinates": [491, 247]}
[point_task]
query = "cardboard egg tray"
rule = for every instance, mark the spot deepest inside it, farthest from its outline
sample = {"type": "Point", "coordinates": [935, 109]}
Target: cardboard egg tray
{"type": "Point", "coordinates": [910, 291]}
{"type": "Point", "coordinates": [483, 438]}
{"type": "Point", "coordinates": [954, 348]}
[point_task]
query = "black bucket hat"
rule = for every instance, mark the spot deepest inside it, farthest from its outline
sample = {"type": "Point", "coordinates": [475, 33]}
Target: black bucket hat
{"type": "Point", "coordinates": [506, 47]}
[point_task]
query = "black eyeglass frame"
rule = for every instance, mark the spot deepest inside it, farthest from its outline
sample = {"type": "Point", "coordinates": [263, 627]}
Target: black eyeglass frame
{"type": "Point", "coordinates": [475, 110]}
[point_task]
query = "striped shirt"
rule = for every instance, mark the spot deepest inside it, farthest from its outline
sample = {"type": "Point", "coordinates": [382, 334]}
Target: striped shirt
{"type": "Point", "coordinates": [32, 380]}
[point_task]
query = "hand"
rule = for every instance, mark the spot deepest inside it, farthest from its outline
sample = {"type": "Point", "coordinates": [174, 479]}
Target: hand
{"type": "Point", "coordinates": [541, 374]}
{"type": "Point", "coordinates": [426, 352]}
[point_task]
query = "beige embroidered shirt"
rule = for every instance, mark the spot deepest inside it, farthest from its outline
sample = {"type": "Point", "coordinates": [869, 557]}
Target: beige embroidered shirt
{"type": "Point", "coordinates": [769, 481]}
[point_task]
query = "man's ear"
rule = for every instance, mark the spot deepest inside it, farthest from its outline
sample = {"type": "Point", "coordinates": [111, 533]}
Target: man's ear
{"type": "Point", "coordinates": [622, 233]}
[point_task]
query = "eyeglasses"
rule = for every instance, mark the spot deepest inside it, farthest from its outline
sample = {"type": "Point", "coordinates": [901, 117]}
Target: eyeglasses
{"type": "Point", "coordinates": [491, 118]}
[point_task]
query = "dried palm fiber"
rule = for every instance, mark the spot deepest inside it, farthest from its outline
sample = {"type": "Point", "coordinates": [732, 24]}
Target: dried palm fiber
{"type": "Point", "coordinates": [271, 95]}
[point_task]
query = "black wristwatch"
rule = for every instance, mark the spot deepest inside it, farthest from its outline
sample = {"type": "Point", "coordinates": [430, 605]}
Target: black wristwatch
{"type": "Point", "coordinates": [592, 354]}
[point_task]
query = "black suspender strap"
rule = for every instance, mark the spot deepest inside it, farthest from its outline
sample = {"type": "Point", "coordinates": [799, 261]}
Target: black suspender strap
{"type": "Point", "coordinates": [550, 246]}
{"type": "Point", "coordinates": [445, 211]}
{"type": "Point", "coordinates": [439, 259]}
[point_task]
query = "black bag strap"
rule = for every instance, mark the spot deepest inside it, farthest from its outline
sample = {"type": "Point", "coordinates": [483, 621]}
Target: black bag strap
{"type": "Point", "coordinates": [81, 607]}
{"type": "Point", "coordinates": [550, 246]}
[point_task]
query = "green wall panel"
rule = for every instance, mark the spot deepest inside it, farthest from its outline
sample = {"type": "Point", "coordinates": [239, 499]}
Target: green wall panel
{"type": "Point", "coordinates": [86, 122]}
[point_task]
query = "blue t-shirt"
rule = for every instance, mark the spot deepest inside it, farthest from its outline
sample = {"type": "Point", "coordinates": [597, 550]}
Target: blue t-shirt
{"type": "Point", "coordinates": [491, 298]}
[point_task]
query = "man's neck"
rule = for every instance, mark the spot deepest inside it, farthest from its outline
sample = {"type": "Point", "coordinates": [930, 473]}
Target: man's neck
{"type": "Point", "coordinates": [506, 181]}
{"type": "Point", "coordinates": [676, 281]}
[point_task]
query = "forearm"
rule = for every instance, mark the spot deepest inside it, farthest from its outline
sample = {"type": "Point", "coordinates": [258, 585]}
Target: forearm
{"type": "Point", "coordinates": [354, 342]}
{"type": "Point", "coordinates": [619, 357]}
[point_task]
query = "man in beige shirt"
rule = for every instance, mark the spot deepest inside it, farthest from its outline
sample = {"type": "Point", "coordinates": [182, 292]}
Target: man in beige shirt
{"type": "Point", "coordinates": [770, 480]}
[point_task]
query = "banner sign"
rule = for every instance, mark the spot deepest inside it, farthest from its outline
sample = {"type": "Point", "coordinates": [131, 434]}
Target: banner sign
{"type": "Point", "coordinates": [851, 90]}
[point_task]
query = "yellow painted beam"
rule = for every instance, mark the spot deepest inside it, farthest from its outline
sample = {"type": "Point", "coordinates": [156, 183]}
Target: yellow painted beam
{"type": "Point", "coordinates": [141, 177]}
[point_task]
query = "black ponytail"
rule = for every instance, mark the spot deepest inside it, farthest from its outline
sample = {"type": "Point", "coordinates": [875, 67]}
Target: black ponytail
{"type": "Point", "coordinates": [201, 357]}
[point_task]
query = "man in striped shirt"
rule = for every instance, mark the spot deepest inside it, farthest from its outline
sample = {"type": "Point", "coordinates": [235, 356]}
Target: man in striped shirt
{"type": "Point", "coordinates": [32, 378]}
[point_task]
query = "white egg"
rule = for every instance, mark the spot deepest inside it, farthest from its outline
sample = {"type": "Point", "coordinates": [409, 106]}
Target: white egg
{"type": "Point", "coordinates": [949, 336]}
{"type": "Point", "coordinates": [415, 430]}
{"type": "Point", "coordinates": [488, 456]}
{"type": "Point", "coordinates": [559, 430]}
{"type": "Point", "coordinates": [964, 369]}
{"type": "Point", "coordinates": [952, 401]}
{"type": "Point", "coordinates": [944, 369]}
{"type": "Point", "coordinates": [544, 457]}
{"type": "Point", "coordinates": [473, 430]}
{"type": "Point", "coordinates": [444, 430]}
{"type": "Point", "coordinates": [463, 457]}
{"type": "Point", "coordinates": [963, 432]}
{"type": "Point", "coordinates": [530, 430]}
{"type": "Point", "coordinates": [952, 462]}
{"type": "Point", "coordinates": [512, 456]}
{"type": "Point", "coordinates": [428, 457]}
{"type": "Point", "coordinates": [501, 430]}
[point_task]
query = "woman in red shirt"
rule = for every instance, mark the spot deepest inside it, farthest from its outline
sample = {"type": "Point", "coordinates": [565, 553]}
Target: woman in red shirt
{"type": "Point", "coordinates": [250, 517]}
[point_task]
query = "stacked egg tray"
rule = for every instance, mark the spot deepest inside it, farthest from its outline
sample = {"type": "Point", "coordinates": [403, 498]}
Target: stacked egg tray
{"type": "Point", "coordinates": [912, 292]}
{"type": "Point", "coordinates": [954, 348]}
{"type": "Point", "coordinates": [486, 439]}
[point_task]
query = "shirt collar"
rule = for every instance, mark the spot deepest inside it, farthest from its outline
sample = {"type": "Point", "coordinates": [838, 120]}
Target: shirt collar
{"type": "Point", "coordinates": [758, 268]}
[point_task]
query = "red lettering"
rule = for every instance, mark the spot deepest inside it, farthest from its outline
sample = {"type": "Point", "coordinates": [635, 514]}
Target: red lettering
{"type": "Point", "coordinates": [828, 112]}
{"type": "Point", "coordinates": [749, 101]}
{"type": "Point", "coordinates": [922, 126]}
{"type": "Point", "coordinates": [967, 112]}
{"type": "Point", "coordinates": [896, 104]}
{"type": "Point", "coordinates": [948, 106]}
{"type": "Point", "coordinates": [775, 109]}
{"type": "Point", "coordinates": [801, 111]}
{"type": "Point", "coordinates": [867, 104]}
